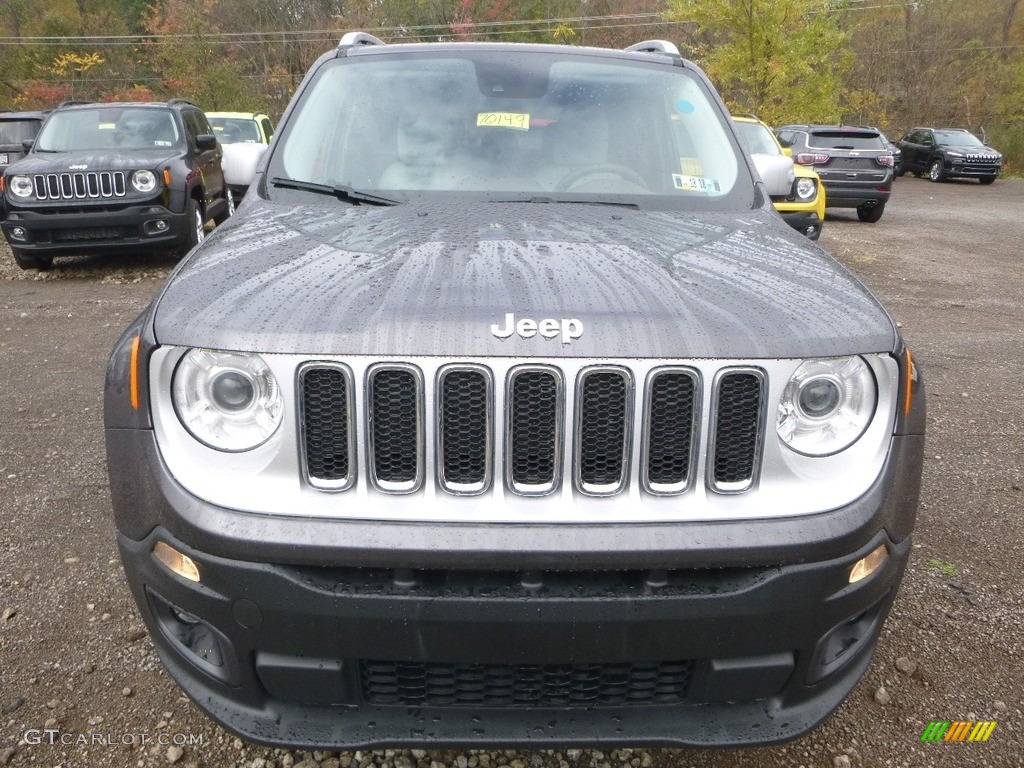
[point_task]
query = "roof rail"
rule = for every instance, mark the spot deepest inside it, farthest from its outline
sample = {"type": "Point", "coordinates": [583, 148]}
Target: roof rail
{"type": "Point", "coordinates": [186, 102]}
{"type": "Point", "coordinates": [72, 103]}
{"type": "Point", "coordinates": [359, 38]}
{"type": "Point", "coordinates": [655, 46]}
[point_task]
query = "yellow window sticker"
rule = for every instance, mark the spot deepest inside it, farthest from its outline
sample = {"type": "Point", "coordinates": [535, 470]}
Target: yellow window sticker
{"type": "Point", "coordinates": [691, 166]}
{"type": "Point", "coordinates": [695, 183]}
{"type": "Point", "coordinates": [519, 121]}
{"type": "Point", "coordinates": [106, 126]}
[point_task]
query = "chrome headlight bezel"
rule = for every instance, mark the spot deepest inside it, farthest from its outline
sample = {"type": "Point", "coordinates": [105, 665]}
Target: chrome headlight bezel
{"type": "Point", "coordinates": [143, 181]}
{"type": "Point", "coordinates": [228, 401]}
{"type": "Point", "coordinates": [827, 405]}
{"type": "Point", "coordinates": [21, 186]}
{"type": "Point", "coordinates": [805, 189]}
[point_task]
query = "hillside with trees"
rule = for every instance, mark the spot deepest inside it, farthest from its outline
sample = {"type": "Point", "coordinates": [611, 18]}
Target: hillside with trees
{"type": "Point", "coordinates": [879, 62]}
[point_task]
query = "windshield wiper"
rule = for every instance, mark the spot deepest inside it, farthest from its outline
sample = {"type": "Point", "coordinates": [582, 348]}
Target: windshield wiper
{"type": "Point", "coordinates": [543, 199]}
{"type": "Point", "coordinates": [346, 193]}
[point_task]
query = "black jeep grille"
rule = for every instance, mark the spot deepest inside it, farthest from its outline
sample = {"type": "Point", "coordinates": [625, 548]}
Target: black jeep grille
{"type": "Point", "coordinates": [79, 186]}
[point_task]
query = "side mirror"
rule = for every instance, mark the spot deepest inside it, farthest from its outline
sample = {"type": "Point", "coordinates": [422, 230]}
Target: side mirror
{"type": "Point", "coordinates": [28, 144]}
{"type": "Point", "coordinates": [206, 141]}
{"type": "Point", "coordinates": [240, 162]}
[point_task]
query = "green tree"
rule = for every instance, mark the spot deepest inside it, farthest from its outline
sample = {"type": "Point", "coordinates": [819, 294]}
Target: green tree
{"type": "Point", "coordinates": [782, 59]}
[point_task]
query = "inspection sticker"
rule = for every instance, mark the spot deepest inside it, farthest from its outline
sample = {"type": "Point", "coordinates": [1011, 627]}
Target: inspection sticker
{"type": "Point", "coordinates": [695, 183]}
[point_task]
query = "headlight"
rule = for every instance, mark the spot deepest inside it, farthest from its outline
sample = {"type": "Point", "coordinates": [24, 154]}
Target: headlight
{"type": "Point", "coordinates": [20, 186]}
{"type": "Point", "coordinates": [826, 405]}
{"type": "Point", "coordinates": [954, 153]}
{"type": "Point", "coordinates": [228, 400]}
{"type": "Point", "coordinates": [805, 188]}
{"type": "Point", "coordinates": [144, 181]}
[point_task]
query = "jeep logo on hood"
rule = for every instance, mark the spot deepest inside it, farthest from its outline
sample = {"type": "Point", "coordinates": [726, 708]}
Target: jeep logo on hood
{"type": "Point", "coordinates": [549, 328]}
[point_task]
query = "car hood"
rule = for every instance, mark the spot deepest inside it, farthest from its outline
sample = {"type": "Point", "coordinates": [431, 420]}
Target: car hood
{"type": "Point", "coordinates": [417, 280]}
{"type": "Point", "coordinates": [985, 150]}
{"type": "Point", "coordinates": [63, 162]}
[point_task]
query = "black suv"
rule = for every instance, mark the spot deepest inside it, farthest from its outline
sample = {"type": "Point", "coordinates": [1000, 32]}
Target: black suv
{"type": "Point", "coordinates": [115, 176]}
{"type": "Point", "coordinates": [945, 153]}
{"type": "Point", "coordinates": [853, 162]}
{"type": "Point", "coordinates": [15, 129]}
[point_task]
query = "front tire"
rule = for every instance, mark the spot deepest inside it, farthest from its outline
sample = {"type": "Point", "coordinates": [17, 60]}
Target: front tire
{"type": "Point", "coordinates": [195, 224]}
{"type": "Point", "coordinates": [936, 171]}
{"type": "Point", "coordinates": [27, 261]}
{"type": "Point", "coordinates": [871, 213]}
{"type": "Point", "coordinates": [229, 209]}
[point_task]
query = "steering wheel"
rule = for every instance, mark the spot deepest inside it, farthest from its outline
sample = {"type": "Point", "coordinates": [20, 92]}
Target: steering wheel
{"type": "Point", "coordinates": [626, 174]}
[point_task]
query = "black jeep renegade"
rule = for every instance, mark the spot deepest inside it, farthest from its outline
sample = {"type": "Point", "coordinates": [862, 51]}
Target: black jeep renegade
{"type": "Point", "coordinates": [115, 176]}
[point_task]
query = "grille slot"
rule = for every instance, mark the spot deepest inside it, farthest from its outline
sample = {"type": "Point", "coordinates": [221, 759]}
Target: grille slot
{"type": "Point", "coordinates": [465, 428]}
{"type": "Point", "coordinates": [533, 430]}
{"type": "Point", "coordinates": [737, 430]}
{"type": "Point", "coordinates": [395, 397]}
{"type": "Point", "coordinates": [328, 444]}
{"type": "Point", "coordinates": [670, 427]}
{"type": "Point", "coordinates": [604, 397]}
{"type": "Point", "coordinates": [79, 186]}
{"type": "Point", "coordinates": [524, 686]}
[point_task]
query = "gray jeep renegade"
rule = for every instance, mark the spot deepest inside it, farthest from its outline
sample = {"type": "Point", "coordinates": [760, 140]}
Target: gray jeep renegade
{"type": "Point", "coordinates": [507, 411]}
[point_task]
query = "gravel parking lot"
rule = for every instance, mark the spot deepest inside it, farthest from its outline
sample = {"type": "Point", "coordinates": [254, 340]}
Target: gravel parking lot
{"type": "Point", "coordinates": [81, 685]}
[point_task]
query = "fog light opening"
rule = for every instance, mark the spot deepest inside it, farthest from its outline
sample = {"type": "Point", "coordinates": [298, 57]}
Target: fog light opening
{"type": "Point", "coordinates": [18, 233]}
{"type": "Point", "coordinates": [176, 562]}
{"type": "Point", "coordinates": [869, 564]}
{"type": "Point", "coordinates": [157, 227]}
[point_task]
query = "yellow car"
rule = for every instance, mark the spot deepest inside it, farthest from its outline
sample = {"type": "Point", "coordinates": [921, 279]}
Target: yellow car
{"type": "Point", "coordinates": [795, 190]}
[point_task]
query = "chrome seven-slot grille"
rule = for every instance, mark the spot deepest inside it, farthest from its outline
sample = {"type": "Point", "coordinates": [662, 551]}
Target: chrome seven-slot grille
{"type": "Point", "coordinates": [79, 186]}
{"type": "Point", "coordinates": [537, 456]}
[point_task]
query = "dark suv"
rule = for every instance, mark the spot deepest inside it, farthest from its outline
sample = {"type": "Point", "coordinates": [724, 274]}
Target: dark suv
{"type": "Point", "coordinates": [507, 411]}
{"type": "Point", "coordinates": [115, 176]}
{"type": "Point", "coordinates": [15, 129]}
{"type": "Point", "coordinates": [853, 162]}
{"type": "Point", "coordinates": [949, 153]}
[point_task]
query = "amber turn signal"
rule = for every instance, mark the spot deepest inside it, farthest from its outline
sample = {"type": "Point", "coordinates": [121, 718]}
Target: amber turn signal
{"type": "Point", "coordinates": [177, 562]}
{"type": "Point", "coordinates": [869, 564]}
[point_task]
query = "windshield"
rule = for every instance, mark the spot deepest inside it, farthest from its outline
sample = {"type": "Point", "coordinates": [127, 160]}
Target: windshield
{"type": "Point", "coordinates": [17, 131]}
{"type": "Point", "coordinates": [235, 130]}
{"type": "Point", "coordinates": [757, 138]}
{"type": "Point", "coordinates": [511, 125]}
{"type": "Point", "coordinates": [108, 127]}
{"type": "Point", "coordinates": [958, 139]}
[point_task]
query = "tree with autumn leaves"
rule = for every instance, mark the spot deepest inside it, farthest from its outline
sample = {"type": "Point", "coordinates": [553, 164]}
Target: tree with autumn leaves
{"type": "Point", "coordinates": [895, 65]}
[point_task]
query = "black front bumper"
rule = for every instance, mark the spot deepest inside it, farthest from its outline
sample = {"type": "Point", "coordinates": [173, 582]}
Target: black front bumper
{"type": "Point", "coordinates": [970, 170]}
{"type": "Point", "coordinates": [343, 659]}
{"type": "Point", "coordinates": [805, 222]}
{"type": "Point", "coordinates": [351, 634]}
{"type": "Point", "coordinates": [141, 227]}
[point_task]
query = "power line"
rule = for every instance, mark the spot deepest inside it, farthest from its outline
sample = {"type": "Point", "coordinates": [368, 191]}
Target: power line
{"type": "Point", "coordinates": [256, 37]}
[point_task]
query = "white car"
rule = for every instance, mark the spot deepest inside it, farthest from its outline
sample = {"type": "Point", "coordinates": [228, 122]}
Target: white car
{"type": "Point", "coordinates": [244, 137]}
